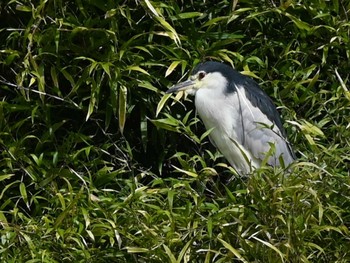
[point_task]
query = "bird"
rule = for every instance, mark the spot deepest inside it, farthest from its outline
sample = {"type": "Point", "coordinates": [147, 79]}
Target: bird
{"type": "Point", "coordinates": [244, 122]}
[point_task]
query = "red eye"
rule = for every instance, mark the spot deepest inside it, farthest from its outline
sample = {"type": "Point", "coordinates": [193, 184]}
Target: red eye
{"type": "Point", "coordinates": [201, 75]}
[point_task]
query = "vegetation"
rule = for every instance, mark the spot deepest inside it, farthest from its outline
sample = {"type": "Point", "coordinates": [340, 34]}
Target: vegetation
{"type": "Point", "coordinates": [98, 165]}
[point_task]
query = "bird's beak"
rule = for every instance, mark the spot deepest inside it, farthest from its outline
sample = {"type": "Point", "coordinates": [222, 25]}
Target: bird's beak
{"type": "Point", "coordinates": [188, 84]}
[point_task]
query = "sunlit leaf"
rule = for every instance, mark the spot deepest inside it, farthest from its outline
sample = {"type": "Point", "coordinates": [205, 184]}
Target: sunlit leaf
{"type": "Point", "coordinates": [162, 103]}
{"type": "Point", "coordinates": [23, 8]}
{"type": "Point", "coordinates": [192, 174]}
{"type": "Point", "coordinates": [122, 107]}
{"type": "Point", "coordinates": [137, 68]}
{"type": "Point", "coordinates": [172, 32]}
{"type": "Point", "coordinates": [136, 250]}
{"type": "Point", "coordinates": [172, 67]}
{"type": "Point", "coordinates": [6, 176]}
{"type": "Point", "coordinates": [150, 6]}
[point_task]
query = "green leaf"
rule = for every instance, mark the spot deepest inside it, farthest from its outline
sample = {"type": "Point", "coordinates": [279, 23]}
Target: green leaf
{"type": "Point", "coordinates": [184, 250]}
{"type": "Point", "coordinates": [187, 15]}
{"type": "Point", "coordinates": [110, 13]}
{"type": "Point", "coordinates": [298, 22]}
{"type": "Point", "coordinates": [170, 254]}
{"type": "Point", "coordinates": [5, 176]}
{"type": "Point", "coordinates": [342, 84]}
{"type": "Point", "coordinates": [166, 124]}
{"type": "Point", "coordinates": [215, 21]}
{"type": "Point", "coordinates": [23, 191]}
{"type": "Point", "coordinates": [68, 210]}
{"type": "Point", "coordinates": [161, 103]}
{"type": "Point", "coordinates": [68, 77]}
{"type": "Point", "coordinates": [23, 8]}
{"type": "Point", "coordinates": [173, 34]}
{"type": "Point", "coordinates": [308, 128]}
{"type": "Point", "coordinates": [171, 194]}
{"type": "Point", "coordinates": [92, 102]}
{"type": "Point", "coordinates": [271, 246]}
{"type": "Point", "coordinates": [147, 85]}
{"type": "Point", "coordinates": [3, 220]}
{"type": "Point", "coordinates": [233, 250]}
{"type": "Point", "coordinates": [210, 227]}
{"type": "Point", "coordinates": [137, 68]}
{"type": "Point", "coordinates": [192, 174]}
{"type": "Point", "coordinates": [54, 76]}
{"type": "Point", "coordinates": [206, 134]}
{"type": "Point", "coordinates": [144, 129]}
{"type": "Point", "coordinates": [150, 7]}
{"type": "Point", "coordinates": [7, 186]}
{"type": "Point", "coordinates": [136, 250]}
{"type": "Point", "coordinates": [106, 68]}
{"type": "Point", "coordinates": [171, 68]}
{"type": "Point", "coordinates": [122, 107]}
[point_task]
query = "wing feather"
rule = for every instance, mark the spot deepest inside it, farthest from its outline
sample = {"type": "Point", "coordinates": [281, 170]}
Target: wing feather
{"type": "Point", "coordinates": [261, 126]}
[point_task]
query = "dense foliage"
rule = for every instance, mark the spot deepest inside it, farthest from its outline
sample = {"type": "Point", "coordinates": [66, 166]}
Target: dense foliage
{"type": "Point", "coordinates": [99, 165]}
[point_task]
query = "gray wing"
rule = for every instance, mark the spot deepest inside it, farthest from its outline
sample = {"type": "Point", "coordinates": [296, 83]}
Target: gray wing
{"type": "Point", "coordinates": [261, 127]}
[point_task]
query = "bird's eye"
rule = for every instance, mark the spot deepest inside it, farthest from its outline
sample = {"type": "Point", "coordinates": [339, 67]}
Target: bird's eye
{"type": "Point", "coordinates": [201, 75]}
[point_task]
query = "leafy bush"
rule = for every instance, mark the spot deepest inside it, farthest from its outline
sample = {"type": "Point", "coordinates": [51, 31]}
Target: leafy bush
{"type": "Point", "coordinates": [98, 165]}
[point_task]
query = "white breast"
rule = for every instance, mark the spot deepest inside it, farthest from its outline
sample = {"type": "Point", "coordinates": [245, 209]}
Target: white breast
{"type": "Point", "coordinates": [222, 112]}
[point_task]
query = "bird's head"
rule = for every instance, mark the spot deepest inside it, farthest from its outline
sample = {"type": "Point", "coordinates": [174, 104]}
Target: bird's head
{"type": "Point", "coordinates": [212, 75]}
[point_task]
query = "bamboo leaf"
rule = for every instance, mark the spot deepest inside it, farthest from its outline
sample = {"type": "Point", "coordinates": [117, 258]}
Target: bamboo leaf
{"type": "Point", "coordinates": [187, 15]}
{"type": "Point", "coordinates": [5, 176]}
{"type": "Point", "coordinates": [122, 107]}
{"type": "Point", "coordinates": [170, 254]}
{"type": "Point", "coordinates": [166, 124]}
{"type": "Point", "coordinates": [172, 32]}
{"type": "Point", "coordinates": [192, 174]}
{"type": "Point", "coordinates": [161, 103]}
{"type": "Point", "coordinates": [106, 68]}
{"type": "Point", "coordinates": [150, 7]}
{"type": "Point", "coordinates": [298, 22]}
{"type": "Point", "coordinates": [92, 104]}
{"type": "Point", "coordinates": [137, 68]}
{"type": "Point", "coordinates": [215, 21]}
{"type": "Point", "coordinates": [136, 250]}
{"type": "Point", "coordinates": [171, 68]}
{"type": "Point", "coordinates": [271, 246]}
{"type": "Point", "coordinates": [186, 248]}
{"type": "Point", "coordinates": [23, 8]}
{"type": "Point", "coordinates": [346, 91]}
{"type": "Point", "coordinates": [6, 187]}
{"type": "Point", "coordinates": [23, 191]}
{"type": "Point", "coordinates": [233, 250]}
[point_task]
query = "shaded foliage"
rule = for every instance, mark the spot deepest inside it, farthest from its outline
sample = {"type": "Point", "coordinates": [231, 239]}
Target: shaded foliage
{"type": "Point", "coordinates": [98, 166]}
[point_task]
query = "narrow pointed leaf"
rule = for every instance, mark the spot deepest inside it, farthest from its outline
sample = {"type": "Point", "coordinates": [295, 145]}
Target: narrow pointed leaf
{"type": "Point", "coordinates": [233, 250]}
{"type": "Point", "coordinates": [172, 67]}
{"type": "Point", "coordinates": [122, 107]}
{"type": "Point", "coordinates": [162, 103]}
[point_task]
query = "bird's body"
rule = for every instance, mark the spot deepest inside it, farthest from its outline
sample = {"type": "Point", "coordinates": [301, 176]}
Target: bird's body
{"type": "Point", "coordinates": [244, 121]}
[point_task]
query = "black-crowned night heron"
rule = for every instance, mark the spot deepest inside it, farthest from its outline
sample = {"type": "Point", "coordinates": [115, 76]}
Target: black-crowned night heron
{"type": "Point", "coordinates": [246, 127]}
